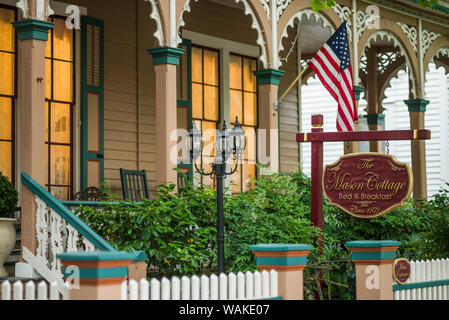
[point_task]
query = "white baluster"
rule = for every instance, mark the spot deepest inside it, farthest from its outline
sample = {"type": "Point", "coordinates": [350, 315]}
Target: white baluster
{"type": "Point", "coordinates": [72, 239]}
{"type": "Point", "coordinates": [133, 290]}
{"type": "Point", "coordinates": [185, 288]}
{"type": "Point", "coordinates": [42, 291]}
{"type": "Point", "coordinates": [195, 288]}
{"type": "Point", "coordinates": [88, 245]}
{"type": "Point", "coordinates": [155, 287]}
{"type": "Point", "coordinates": [429, 276]}
{"type": "Point", "coordinates": [412, 279]}
{"type": "Point", "coordinates": [213, 287]}
{"type": "Point", "coordinates": [144, 289]}
{"type": "Point", "coordinates": [232, 282]}
{"type": "Point", "coordinates": [445, 268]}
{"type": "Point", "coordinates": [17, 288]}
{"type": "Point", "coordinates": [56, 226]}
{"type": "Point", "coordinates": [165, 291]}
{"type": "Point", "coordinates": [433, 264]}
{"type": "Point", "coordinates": [273, 283]}
{"type": "Point", "coordinates": [54, 293]}
{"type": "Point", "coordinates": [240, 286]}
{"type": "Point", "coordinates": [265, 284]}
{"type": "Point", "coordinates": [30, 291]}
{"type": "Point", "coordinates": [175, 288]}
{"type": "Point", "coordinates": [124, 290]}
{"type": "Point", "coordinates": [418, 278]}
{"type": "Point", "coordinates": [42, 213]}
{"type": "Point", "coordinates": [223, 287]}
{"type": "Point", "coordinates": [257, 285]}
{"type": "Point", "coordinates": [6, 290]}
{"type": "Point", "coordinates": [204, 287]}
{"type": "Point", "coordinates": [249, 285]}
{"type": "Point", "coordinates": [439, 276]}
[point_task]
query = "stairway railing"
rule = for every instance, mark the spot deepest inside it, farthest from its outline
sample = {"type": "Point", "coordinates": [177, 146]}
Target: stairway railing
{"type": "Point", "coordinates": [58, 230]}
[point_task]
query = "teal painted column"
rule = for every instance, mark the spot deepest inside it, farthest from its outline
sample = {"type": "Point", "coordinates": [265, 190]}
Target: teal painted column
{"type": "Point", "coordinates": [165, 61]}
{"type": "Point", "coordinates": [374, 268]}
{"type": "Point", "coordinates": [268, 81]}
{"type": "Point", "coordinates": [289, 260]}
{"type": "Point", "coordinates": [96, 275]}
{"type": "Point", "coordinates": [417, 110]}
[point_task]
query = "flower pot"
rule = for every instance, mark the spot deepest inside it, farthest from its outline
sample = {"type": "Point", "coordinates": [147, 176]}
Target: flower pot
{"type": "Point", "coordinates": [7, 241]}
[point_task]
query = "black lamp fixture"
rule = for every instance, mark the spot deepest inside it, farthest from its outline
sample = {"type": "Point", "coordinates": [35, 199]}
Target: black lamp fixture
{"type": "Point", "coordinates": [231, 143]}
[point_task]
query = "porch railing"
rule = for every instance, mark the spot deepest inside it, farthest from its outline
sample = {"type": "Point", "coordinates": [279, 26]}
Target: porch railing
{"type": "Point", "coordinates": [58, 230]}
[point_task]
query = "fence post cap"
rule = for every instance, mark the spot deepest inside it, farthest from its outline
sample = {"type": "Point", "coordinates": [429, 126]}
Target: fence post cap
{"type": "Point", "coordinates": [281, 247]}
{"type": "Point", "coordinates": [373, 243]}
{"type": "Point", "coordinates": [95, 256]}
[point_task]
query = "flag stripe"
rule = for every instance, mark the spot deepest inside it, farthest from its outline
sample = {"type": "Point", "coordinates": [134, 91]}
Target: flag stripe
{"type": "Point", "coordinates": [332, 64]}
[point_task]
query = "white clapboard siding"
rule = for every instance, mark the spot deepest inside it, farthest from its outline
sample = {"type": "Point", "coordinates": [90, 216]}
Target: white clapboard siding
{"type": "Point", "coordinates": [20, 291]}
{"type": "Point", "coordinates": [436, 120]}
{"type": "Point", "coordinates": [316, 99]}
{"type": "Point", "coordinates": [247, 286]}
{"type": "Point", "coordinates": [423, 271]}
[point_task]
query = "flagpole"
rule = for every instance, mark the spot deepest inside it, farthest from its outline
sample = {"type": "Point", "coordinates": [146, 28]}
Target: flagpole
{"type": "Point", "coordinates": [302, 73]}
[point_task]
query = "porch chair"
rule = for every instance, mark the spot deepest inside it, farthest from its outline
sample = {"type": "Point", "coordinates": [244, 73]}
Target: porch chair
{"type": "Point", "coordinates": [89, 194]}
{"type": "Point", "coordinates": [182, 183]}
{"type": "Point", "coordinates": [134, 185]}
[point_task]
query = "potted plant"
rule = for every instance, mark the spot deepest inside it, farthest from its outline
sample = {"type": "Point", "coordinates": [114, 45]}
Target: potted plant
{"type": "Point", "coordinates": [8, 202]}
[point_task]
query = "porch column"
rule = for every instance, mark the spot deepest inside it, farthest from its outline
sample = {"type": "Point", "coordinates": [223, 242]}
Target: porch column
{"type": "Point", "coordinates": [268, 86]}
{"type": "Point", "coordinates": [165, 60]}
{"type": "Point", "coordinates": [374, 268]}
{"type": "Point", "coordinates": [32, 38]}
{"type": "Point", "coordinates": [373, 96]}
{"type": "Point", "coordinates": [417, 109]}
{"type": "Point", "coordinates": [354, 146]}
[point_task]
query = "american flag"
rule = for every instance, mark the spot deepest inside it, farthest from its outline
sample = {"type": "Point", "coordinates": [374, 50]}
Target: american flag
{"type": "Point", "coordinates": [332, 64]}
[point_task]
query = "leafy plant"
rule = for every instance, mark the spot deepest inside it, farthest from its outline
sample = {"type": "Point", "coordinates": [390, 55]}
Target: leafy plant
{"type": "Point", "coordinates": [8, 197]}
{"type": "Point", "coordinates": [318, 5]}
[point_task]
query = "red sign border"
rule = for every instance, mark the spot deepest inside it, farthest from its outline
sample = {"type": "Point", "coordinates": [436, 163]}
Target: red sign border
{"type": "Point", "coordinates": [394, 270]}
{"type": "Point", "coordinates": [393, 158]}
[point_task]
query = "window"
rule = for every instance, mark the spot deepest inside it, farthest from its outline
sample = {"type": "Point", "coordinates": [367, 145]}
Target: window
{"type": "Point", "coordinates": [7, 91]}
{"type": "Point", "coordinates": [59, 72]}
{"type": "Point", "coordinates": [243, 104]}
{"type": "Point", "coordinates": [206, 103]}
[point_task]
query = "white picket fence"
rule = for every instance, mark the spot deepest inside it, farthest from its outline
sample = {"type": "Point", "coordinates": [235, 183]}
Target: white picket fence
{"type": "Point", "coordinates": [429, 280]}
{"type": "Point", "coordinates": [248, 286]}
{"type": "Point", "coordinates": [19, 291]}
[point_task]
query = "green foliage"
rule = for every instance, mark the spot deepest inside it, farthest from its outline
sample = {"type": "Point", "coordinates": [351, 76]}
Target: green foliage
{"type": "Point", "coordinates": [8, 197]}
{"type": "Point", "coordinates": [275, 210]}
{"type": "Point", "coordinates": [318, 5]}
{"type": "Point", "coordinates": [178, 231]}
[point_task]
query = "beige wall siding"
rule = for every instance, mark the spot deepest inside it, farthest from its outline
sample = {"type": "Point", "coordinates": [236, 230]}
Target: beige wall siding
{"type": "Point", "coordinates": [129, 87]}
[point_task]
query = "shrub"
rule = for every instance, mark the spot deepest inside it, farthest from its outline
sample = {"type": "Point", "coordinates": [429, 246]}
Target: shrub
{"type": "Point", "coordinates": [8, 197]}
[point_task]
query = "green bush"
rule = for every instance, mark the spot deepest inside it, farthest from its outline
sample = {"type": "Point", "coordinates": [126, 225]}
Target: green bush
{"type": "Point", "coordinates": [178, 232]}
{"type": "Point", "coordinates": [8, 197]}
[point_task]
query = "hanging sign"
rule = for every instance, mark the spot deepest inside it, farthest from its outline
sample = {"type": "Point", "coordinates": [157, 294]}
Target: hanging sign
{"type": "Point", "coordinates": [367, 185]}
{"type": "Point", "coordinates": [401, 270]}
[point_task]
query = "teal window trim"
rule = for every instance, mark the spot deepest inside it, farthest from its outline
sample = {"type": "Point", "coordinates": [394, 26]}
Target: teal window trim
{"type": "Point", "coordinates": [91, 89]}
{"type": "Point", "coordinates": [188, 103]}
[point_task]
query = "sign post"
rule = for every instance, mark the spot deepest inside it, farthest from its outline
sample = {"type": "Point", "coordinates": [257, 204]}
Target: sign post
{"type": "Point", "coordinates": [317, 137]}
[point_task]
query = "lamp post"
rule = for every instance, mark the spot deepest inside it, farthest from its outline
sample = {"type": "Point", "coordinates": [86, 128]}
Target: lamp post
{"type": "Point", "coordinates": [230, 143]}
